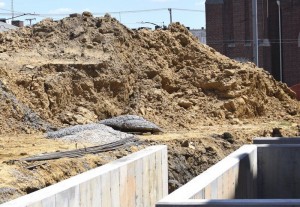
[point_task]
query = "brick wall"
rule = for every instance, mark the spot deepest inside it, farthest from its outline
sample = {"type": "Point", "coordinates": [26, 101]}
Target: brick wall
{"type": "Point", "coordinates": [290, 33]}
{"type": "Point", "coordinates": [214, 27]}
{"type": "Point", "coordinates": [229, 27]}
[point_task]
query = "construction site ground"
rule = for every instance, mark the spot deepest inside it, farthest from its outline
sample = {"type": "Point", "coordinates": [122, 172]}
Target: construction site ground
{"type": "Point", "coordinates": [83, 69]}
{"type": "Point", "coordinates": [190, 153]}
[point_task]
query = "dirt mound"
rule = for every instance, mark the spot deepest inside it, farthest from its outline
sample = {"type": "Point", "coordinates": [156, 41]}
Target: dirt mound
{"type": "Point", "coordinates": [82, 69]}
{"type": "Point", "coordinates": [16, 115]}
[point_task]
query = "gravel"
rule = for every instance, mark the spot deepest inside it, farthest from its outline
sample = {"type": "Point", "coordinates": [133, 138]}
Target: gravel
{"type": "Point", "coordinates": [71, 130]}
{"type": "Point", "coordinates": [89, 133]}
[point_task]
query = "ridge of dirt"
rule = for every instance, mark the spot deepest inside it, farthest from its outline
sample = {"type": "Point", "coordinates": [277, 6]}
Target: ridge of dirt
{"type": "Point", "coordinates": [81, 69]}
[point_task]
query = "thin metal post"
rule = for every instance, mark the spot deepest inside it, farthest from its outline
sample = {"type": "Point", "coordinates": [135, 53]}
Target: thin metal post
{"type": "Point", "coordinates": [30, 20]}
{"type": "Point", "coordinates": [170, 11]}
{"type": "Point", "coordinates": [280, 41]}
{"type": "Point", "coordinates": [255, 32]}
{"type": "Point", "coordinates": [12, 10]}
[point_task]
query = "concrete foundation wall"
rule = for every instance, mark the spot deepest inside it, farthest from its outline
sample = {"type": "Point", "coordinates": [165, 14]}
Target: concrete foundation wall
{"type": "Point", "coordinates": [235, 203]}
{"type": "Point", "coordinates": [279, 171]}
{"type": "Point", "coordinates": [140, 179]}
{"type": "Point", "coordinates": [276, 140]}
{"type": "Point", "coordinates": [275, 178]}
{"type": "Point", "coordinates": [233, 177]}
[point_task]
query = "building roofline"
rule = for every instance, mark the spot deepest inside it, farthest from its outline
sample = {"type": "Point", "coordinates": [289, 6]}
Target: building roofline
{"type": "Point", "coordinates": [214, 2]}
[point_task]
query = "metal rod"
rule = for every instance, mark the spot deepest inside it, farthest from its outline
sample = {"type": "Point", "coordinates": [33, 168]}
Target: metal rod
{"type": "Point", "coordinates": [255, 32]}
{"type": "Point", "coordinates": [12, 10]}
{"type": "Point", "coordinates": [280, 41]}
{"type": "Point", "coordinates": [170, 11]}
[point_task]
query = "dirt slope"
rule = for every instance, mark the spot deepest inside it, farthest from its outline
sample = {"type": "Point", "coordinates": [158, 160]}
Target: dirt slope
{"type": "Point", "coordinates": [81, 69]}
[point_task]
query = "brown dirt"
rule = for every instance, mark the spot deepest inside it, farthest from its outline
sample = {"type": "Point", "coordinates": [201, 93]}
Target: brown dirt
{"type": "Point", "coordinates": [83, 69]}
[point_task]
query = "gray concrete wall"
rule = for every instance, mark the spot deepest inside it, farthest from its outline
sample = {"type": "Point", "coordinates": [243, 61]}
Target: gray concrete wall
{"type": "Point", "coordinates": [235, 203]}
{"type": "Point", "coordinates": [233, 177]}
{"type": "Point", "coordinates": [140, 179]}
{"type": "Point", "coordinates": [276, 140]}
{"type": "Point", "coordinates": [279, 171]}
{"type": "Point", "coordinates": [276, 178]}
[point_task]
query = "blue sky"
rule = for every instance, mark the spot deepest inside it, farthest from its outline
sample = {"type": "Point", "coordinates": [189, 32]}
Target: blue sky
{"type": "Point", "coordinates": [192, 19]}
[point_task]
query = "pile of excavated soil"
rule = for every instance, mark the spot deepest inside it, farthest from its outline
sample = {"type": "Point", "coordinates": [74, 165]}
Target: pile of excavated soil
{"type": "Point", "coordinates": [82, 69]}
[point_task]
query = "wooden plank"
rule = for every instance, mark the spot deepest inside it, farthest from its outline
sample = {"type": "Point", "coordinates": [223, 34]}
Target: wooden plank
{"type": "Point", "coordinates": [139, 182]}
{"type": "Point", "coordinates": [236, 178]}
{"type": "Point", "coordinates": [49, 202]}
{"type": "Point", "coordinates": [231, 183]}
{"type": "Point", "coordinates": [106, 196]}
{"type": "Point", "coordinates": [67, 198]}
{"type": "Point", "coordinates": [225, 184]}
{"type": "Point", "coordinates": [199, 195]}
{"type": "Point", "coordinates": [214, 189]}
{"type": "Point", "coordinates": [115, 188]}
{"type": "Point", "coordinates": [159, 183]}
{"type": "Point", "coordinates": [164, 169]}
{"type": "Point", "coordinates": [152, 178]}
{"type": "Point", "coordinates": [36, 204]}
{"type": "Point", "coordinates": [146, 181]}
{"type": "Point", "coordinates": [123, 186]}
{"type": "Point", "coordinates": [61, 199]}
{"type": "Point", "coordinates": [90, 193]}
{"type": "Point", "coordinates": [131, 185]}
{"type": "Point", "coordinates": [220, 187]}
{"type": "Point", "coordinates": [208, 192]}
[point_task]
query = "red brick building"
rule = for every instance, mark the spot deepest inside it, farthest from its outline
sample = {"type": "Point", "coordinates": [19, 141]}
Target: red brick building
{"type": "Point", "coordinates": [229, 31]}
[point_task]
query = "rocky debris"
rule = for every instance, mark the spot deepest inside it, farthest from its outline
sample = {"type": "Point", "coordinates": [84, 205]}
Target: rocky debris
{"type": "Point", "coordinates": [131, 123]}
{"type": "Point", "coordinates": [227, 136]}
{"type": "Point", "coordinates": [166, 76]}
{"type": "Point", "coordinates": [277, 132]}
{"type": "Point", "coordinates": [100, 135]}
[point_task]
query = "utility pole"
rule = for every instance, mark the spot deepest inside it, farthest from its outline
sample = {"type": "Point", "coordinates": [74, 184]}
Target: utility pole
{"type": "Point", "coordinates": [280, 41]}
{"type": "Point", "coordinates": [12, 10]}
{"type": "Point", "coordinates": [170, 11]}
{"type": "Point", "coordinates": [255, 32]}
{"type": "Point", "coordinates": [30, 20]}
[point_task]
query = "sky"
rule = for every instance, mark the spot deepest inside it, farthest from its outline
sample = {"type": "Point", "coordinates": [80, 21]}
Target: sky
{"type": "Point", "coordinates": [191, 13]}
